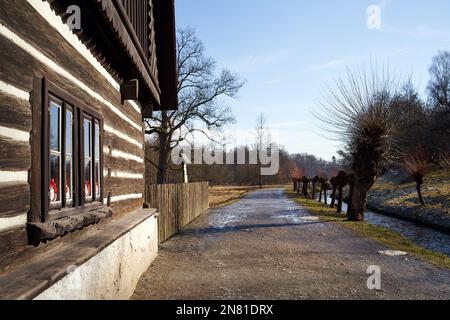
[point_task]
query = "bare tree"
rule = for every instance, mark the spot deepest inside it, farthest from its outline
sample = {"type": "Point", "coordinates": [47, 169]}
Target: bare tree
{"type": "Point", "coordinates": [438, 133]}
{"type": "Point", "coordinates": [326, 186]}
{"type": "Point", "coordinates": [262, 140]}
{"type": "Point", "coordinates": [306, 182]}
{"type": "Point", "coordinates": [334, 185]}
{"type": "Point", "coordinates": [359, 112]}
{"type": "Point", "coordinates": [439, 85]}
{"type": "Point", "coordinates": [314, 182]}
{"type": "Point", "coordinates": [416, 163]}
{"type": "Point", "coordinates": [200, 108]}
{"type": "Point", "coordinates": [341, 181]}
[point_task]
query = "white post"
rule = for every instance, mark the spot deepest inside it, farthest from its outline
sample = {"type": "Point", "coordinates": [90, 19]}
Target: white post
{"type": "Point", "coordinates": [185, 173]}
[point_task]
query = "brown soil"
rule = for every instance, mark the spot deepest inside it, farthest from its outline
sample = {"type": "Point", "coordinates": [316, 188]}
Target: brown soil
{"type": "Point", "coordinates": [267, 247]}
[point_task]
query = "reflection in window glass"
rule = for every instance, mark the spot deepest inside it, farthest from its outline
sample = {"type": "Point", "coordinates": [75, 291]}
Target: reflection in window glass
{"type": "Point", "coordinates": [69, 132]}
{"type": "Point", "coordinates": [87, 128]}
{"type": "Point", "coordinates": [87, 138]}
{"type": "Point", "coordinates": [87, 178]}
{"type": "Point", "coordinates": [97, 160]}
{"type": "Point", "coordinates": [55, 154]}
{"type": "Point", "coordinates": [55, 123]}
{"type": "Point", "coordinates": [55, 179]}
{"type": "Point", "coordinates": [69, 180]}
{"type": "Point", "coordinates": [69, 156]}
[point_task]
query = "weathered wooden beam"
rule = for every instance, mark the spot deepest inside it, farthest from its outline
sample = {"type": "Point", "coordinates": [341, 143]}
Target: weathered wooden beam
{"type": "Point", "coordinates": [147, 110]}
{"type": "Point", "coordinates": [130, 90]}
{"type": "Point", "coordinates": [11, 240]}
{"type": "Point", "coordinates": [14, 198]}
{"type": "Point", "coordinates": [45, 231]}
{"type": "Point", "coordinates": [15, 155]}
{"type": "Point", "coordinates": [36, 156]}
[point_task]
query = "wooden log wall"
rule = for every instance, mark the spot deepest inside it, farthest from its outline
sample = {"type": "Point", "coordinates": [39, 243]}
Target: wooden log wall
{"type": "Point", "coordinates": [34, 46]}
{"type": "Point", "coordinates": [178, 205]}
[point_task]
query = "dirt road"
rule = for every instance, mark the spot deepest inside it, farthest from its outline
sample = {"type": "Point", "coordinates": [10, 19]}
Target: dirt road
{"type": "Point", "coordinates": [267, 247]}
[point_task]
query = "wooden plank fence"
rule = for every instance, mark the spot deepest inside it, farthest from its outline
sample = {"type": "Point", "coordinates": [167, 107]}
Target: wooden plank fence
{"type": "Point", "coordinates": [178, 205]}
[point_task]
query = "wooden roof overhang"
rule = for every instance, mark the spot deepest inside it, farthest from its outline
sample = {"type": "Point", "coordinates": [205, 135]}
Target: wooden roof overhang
{"type": "Point", "coordinates": [111, 35]}
{"type": "Point", "coordinates": [165, 34]}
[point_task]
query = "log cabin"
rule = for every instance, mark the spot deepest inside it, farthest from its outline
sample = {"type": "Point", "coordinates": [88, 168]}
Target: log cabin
{"type": "Point", "coordinates": [77, 77]}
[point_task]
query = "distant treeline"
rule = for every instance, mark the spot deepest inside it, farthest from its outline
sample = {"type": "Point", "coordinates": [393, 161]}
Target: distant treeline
{"type": "Point", "coordinates": [243, 174]}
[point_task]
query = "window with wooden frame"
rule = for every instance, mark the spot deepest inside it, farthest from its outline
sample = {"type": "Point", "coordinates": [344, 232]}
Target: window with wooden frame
{"type": "Point", "coordinates": [72, 165]}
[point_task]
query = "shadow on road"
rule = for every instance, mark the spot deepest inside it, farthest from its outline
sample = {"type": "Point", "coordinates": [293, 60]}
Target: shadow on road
{"type": "Point", "coordinates": [225, 229]}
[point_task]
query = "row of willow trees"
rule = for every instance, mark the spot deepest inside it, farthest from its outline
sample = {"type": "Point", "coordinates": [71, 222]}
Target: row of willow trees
{"type": "Point", "coordinates": [384, 124]}
{"type": "Point", "coordinates": [309, 187]}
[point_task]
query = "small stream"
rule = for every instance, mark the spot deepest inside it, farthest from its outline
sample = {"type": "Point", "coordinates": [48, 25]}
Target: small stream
{"type": "Point", "coordinates": [423, 236]}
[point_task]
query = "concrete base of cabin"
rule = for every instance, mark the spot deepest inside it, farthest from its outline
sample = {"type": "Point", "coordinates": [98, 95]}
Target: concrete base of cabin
{"type": "Point", "coordinates": [112, 273]}
{"type": "Point", "coordinates": [104, 261]}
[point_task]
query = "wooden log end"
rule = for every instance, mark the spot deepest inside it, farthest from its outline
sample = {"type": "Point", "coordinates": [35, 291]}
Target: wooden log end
{"type": "Point", "coordinates": [45, 231]}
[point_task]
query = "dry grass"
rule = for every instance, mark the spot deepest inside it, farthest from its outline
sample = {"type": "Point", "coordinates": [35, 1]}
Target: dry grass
{"type": "Point", "coordinates": [224, 195]}
{"type": "Point", "coordinates": [220, 196]}
{"type": "Point", "coordinates": [435, 190]}
{"type": "Point", "coordinates": [385, 236]}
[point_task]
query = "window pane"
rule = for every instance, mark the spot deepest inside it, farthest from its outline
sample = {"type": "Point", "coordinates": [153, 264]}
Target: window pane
{"type": "Point", "coordinates": [97, 142]}
{"type": "Point", "coordinates": [87, 178]}
{"type": "Point", "coordinates": [97, 178]}
{"type": "Point", "coordinates": [69, 130]}
{"type": "Point", "coordinates": [69, 180]}
{"type": "Point", "coordinates": [55, 126]}
{"type": "Point", "coordinates": [69, 152]}
{"type": "Point", "coordinates": [87, 128]}
{"type": "Point", "coordinates": [87, 138]}
{"type": "Point", "coordinates": [55, 179]}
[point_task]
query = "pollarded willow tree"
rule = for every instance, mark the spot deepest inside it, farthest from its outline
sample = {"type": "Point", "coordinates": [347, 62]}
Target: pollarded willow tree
{"type": "Point", "coordinates": [416, 164]}
{"type": "Point", "coordinates": [358, 111]}
{"type": "Point", "coordinates": [200, 107]}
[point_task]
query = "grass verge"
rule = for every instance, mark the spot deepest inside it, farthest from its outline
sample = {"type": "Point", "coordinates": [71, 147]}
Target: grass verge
{"type": "Point", "coordinates": [385, 236]}
{"type": "Point", "coordinates": [221, 196]}
{"type": "Point", "coordinates": [230, 201]}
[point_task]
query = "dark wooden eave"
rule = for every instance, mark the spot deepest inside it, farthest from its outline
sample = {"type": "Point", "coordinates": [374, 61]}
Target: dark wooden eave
{"type": "Point", "coordinates": [109, 34]}
{"type": "Point", "coordinates": [164, 13]}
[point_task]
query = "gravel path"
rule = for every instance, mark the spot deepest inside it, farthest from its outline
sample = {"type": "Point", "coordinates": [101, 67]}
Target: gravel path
{"type": "Point", "coordinates": [268, 247]}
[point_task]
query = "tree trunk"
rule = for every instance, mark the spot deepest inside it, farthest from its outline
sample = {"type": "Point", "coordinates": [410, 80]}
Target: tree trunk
{"type": "Point", "coordinates": [419, 181]}
{"type": "Point", "coordinates": [313, 191]}
{"type": "Point", "coordinates": [419, 193]}
{"type": "Point", "coordinates": [351, 183]}
{"type": "Point", "coordinates": [164, 150]}
{"type": "Point", "coordinates": [359, 200]}
{"type": "Point", "coordinates": [320, 194]}
{"type": "Point", "coordinates": [340, 195]}
{"type": "Point", "coordinates": [260, 177]}
{"type": "Point", "coordinates": [333, 197]}
{"type": "Point", "coordinates": [163, 159]}
{"type": "Point", "coordinates": [325, 190]}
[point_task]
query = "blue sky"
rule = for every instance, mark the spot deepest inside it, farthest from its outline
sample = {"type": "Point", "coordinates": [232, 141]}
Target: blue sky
{"type": "Point", "coordinates": [288, 51]}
